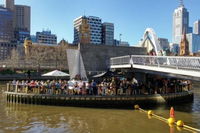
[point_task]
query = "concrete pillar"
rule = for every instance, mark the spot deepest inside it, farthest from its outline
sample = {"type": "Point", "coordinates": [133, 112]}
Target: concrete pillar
{"type": "Point", "coordinates": [8, 87]}
{"type": "Point", "coordinates": [16, 88]}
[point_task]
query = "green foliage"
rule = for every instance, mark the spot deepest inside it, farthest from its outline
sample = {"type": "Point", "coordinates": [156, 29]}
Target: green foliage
{"type": "Point", "coordinates": [7, 71]}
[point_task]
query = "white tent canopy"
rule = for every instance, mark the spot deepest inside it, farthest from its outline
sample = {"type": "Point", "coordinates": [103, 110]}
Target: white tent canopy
{"type": "Point", "coordinates": [56, 73]}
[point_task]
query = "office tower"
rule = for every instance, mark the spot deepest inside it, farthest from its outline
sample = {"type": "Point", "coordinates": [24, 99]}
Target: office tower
{"type": "Point", "coordinates": [164, 43]}
{"type": "Point", "coordinates": [95, 29]}
{"type": "Point", "coordinates": [194, 41]}
{"type": "Point", "coordinates": [22, 17]}
{"type": "Point", "coordinates": [174, 48]}
{"type": "Point", "coordinates": [190, 30]}
{"type": "Point", "coordinates": [81, 30]}
{"type": "Point", "coordinates": [108, 33]}
{"type": "Point", "coordinates": [197, 27]}
{"type": "Point", "coordinates": [9, 4]}
{"type": "Point", "coordinates": [6, 25]}
{"type": "Point", "coordinates": [45, 37]}
{"type": "Point", "coordinates": [180, 23]}
{"type": "Point", "coordinates": [22, 22]}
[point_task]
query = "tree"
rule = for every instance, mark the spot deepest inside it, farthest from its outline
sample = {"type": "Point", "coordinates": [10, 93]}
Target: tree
{"type": "Point", "coordinates": [14, 59]}
{"type": "Point", "coordinates": [37, 57]}
{"type": "Point", "coordinates": [61, 56]}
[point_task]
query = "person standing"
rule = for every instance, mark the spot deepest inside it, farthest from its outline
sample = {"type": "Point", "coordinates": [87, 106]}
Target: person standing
{"type": "Point", "coordinates": [94, 87]}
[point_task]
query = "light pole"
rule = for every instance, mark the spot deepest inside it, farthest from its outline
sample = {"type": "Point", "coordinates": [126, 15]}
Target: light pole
{"type": "Point", "coordinates": [120, 38]}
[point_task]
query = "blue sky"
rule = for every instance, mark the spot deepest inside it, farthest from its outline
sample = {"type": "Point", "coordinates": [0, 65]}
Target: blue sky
{"type": "Point", "coordinates": [131, 17]}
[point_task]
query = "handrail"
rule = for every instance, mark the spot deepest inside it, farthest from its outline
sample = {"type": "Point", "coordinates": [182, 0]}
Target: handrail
{"type": "Point", "coordinates": [189, 63]}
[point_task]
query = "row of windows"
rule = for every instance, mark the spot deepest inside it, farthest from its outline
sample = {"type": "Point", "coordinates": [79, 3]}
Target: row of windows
{"type": "Point", "coordinates": [46, 37]}
{"type": "Point", "coordinates": [7, 45]}
{"type": "Point", "coordinates": [95, 25]}
{"type": "Point", "coordinates": [95, 29]}
{"type": "Point", "coordinates": [95, 40]}
{"type": "Point", "coordinates": [109, 29]}
{"type": "Point", "coordinates": [108, 32]}
{"type": "Point", "coordinates": [95, 33]}
{"type": "Point", "coordinates": [93, 20]}
{"type": "Point", "coordinates": [44, 40]}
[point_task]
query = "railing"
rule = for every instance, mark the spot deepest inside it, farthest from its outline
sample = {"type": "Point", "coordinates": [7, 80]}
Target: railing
{"type": "Point", "coordinates": [189, 63]}
{"type": "Point", "coordinates": [122, 60]}
{"type": "Point", "coordinates": [22, 64]}
{"type": "Point", "coordinates": [107, 91]}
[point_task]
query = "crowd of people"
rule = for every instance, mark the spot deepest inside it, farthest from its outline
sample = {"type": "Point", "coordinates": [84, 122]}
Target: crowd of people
{"type": "Point", "coordinates": [111, 86]}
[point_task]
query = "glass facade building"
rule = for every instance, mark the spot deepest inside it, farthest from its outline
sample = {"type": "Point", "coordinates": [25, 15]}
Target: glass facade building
{"type": "Point", "coordinates": [6, 25]}
{"type": "Point", "coordinates": [194, 42]}
{"type": "Point", "coordinates": [95, 29]}
{"type": "Point", "coordinates": [21, 35]}
{"type": "Point", "coordinates": [180, 23]}
{"type": "Point", "coordinates": [95, 25]}
{"type": "Point", "coordinates": [108, 33]}
{"type": "Point", "coordinates": [197, 27]}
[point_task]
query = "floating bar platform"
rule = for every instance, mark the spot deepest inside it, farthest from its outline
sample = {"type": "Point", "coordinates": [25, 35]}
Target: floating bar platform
{"type": "Point", "coordinates": [118, 101]}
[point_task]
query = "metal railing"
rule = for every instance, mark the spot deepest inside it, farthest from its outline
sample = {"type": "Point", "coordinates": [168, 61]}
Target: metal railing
{"type": "Point", "coordinates": [22, 64]}
{"type": "Point", "coordinates": [189, 63]}
{"type": "Point", "coordinates": [122, 60]}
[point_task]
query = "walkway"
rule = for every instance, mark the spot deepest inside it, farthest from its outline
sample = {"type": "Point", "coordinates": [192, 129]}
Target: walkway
{"type": "Point", "coordinates": [188, 66]}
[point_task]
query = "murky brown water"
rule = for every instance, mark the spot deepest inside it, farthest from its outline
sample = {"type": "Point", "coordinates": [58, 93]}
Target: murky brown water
{"type": "Point", "coordinates": [16, 118]}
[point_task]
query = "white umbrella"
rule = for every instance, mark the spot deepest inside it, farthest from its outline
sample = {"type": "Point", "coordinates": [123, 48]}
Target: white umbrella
{"type": "Point", "coordinates": [56, 73]}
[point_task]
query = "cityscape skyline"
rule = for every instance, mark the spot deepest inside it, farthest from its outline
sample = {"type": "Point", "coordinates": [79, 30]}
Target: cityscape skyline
{"type": "Point", "coordinates": [130, 20]}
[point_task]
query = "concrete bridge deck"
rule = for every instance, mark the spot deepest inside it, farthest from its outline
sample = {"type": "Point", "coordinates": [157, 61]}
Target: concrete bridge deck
{"type": "Point", "coordinates": [185, 66]}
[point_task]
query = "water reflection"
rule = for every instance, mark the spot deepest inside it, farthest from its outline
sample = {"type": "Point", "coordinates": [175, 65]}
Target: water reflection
{"type": "Point", "coordinates": [50, 119]}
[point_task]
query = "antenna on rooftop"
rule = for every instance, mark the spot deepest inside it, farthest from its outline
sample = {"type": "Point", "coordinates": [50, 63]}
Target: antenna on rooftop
{"type": "Point", "coordinates": [181, 2]}
{"type": "Point", "coordinates": [84, 13]}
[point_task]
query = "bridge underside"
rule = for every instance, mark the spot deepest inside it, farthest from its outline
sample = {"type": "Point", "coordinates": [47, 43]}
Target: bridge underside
{"type": "Point", "coordinates": [166, 72]}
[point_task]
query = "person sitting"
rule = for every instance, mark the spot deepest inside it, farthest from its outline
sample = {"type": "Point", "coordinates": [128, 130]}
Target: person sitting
{"type": "Point", "coordinates": [76, 89]}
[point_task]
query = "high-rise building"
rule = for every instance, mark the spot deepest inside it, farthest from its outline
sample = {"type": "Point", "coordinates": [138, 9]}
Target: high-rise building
{"type": "Point", "coordinates": [81, 30]}
{"type": "Point", "coordinates": [5, 49]}
{"type": "Point", "coordinates": [194, 42]}
{"type": "Point", "coordinates": [95, 28]}
{"type": "Point", "coordinates": [174, 48]}
{"type": "Point", "coordinates": [180, 23]}
{"type": "Point", "coordinates": [164, 43]}
{"type": "Point", "coordinates": [21, 19]}
{"type": "Point", "coordinates": [197, 27]}
{"type": "Point", "coordinates": [190, 30]}
{"type": "Point", "coordinates": [6, 25]}
{"type": "Point", "coordinates": [45, 37]}
{"type": "Point", "coordinates": [10, 4]}
{"type": "Point", "coordinates": [22, 22]}
{"type": "Point", "coordinates": [21, 35]}
{"type": "Point", "coordinates": [108, 33]}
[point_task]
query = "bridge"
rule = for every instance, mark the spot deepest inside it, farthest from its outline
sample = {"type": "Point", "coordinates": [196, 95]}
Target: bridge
{"type": "Point", "coordinates": [186, 67]}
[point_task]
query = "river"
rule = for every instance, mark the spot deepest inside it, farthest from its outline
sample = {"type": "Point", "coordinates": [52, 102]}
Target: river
{"type": "Point", "coordinates": [18, 118]}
